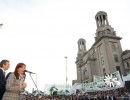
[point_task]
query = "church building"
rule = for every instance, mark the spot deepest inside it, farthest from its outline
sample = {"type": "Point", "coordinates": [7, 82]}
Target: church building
{"type": "Point", "coordinates": [105, 55]}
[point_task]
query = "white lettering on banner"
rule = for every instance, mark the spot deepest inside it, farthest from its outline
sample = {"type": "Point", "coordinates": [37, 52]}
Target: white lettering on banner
{"type": "Point", "coordinates": [96, 78]}
{"type": "Point", "coordinates": [99, 84]}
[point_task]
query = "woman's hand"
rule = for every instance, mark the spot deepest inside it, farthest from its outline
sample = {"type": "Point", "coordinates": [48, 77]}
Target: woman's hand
{"type": "Point", "coordinates": [23, 85]}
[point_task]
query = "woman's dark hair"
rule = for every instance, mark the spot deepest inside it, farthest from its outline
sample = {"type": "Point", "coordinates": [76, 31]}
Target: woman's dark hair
{"type": "Point", "coordinates": [19, 65]}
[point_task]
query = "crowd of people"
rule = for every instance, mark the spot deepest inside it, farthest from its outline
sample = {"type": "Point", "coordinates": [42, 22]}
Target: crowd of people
{"type": "Point", "coordinates": [12, 88]}
{"type": "Point", "coordinates": [118, 94]}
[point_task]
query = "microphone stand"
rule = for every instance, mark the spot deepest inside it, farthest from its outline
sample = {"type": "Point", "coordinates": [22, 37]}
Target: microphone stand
{"type": "Point", "coordinates": [34, 83]}
{"type": "Point", "coordinates": [36, 79]}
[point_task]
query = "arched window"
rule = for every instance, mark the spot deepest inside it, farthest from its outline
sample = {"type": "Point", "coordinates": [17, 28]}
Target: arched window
{"type": "Point", "coordinates": [104, 71]}
{"type": "Point", "coordinates": [108, 31]}
{"type": "Point", "coordinates": [82, 45]}
{"type": "Point", "coordinates": [116, 58]}
{"type": "Point", "coordinates": [85, 72]}
{"type": "Point", "coordinates": [127, 63]}
{"type": "Point", "coordinates": [113, 47]}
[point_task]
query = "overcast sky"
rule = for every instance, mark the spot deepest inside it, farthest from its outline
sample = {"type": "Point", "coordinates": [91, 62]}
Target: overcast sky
{"type": "Point", "coordinates": [40, 33]}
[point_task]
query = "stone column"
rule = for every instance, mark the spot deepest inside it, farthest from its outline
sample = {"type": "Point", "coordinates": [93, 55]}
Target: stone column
{"type": "Point", "coordinates": [99, 21]}
{"type": "Point", "coordinates": [107, 21]}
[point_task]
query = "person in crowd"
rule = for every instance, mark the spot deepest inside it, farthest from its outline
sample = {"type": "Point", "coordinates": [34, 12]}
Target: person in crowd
{"type": "Point", "coordinates": [112, 97]}
{"type": "Point", "coordinates": [15, 84]}
{"type": "Point", "coordinates": [4, 65]}
{"type": "Point", "coordinates": [126, 97]}
{"type": "Point", "coordinates": [99, 97]}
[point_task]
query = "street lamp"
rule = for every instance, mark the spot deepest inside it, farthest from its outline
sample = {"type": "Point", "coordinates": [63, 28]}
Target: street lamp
{"type": "Point", "coordinates": [119, 83]}
{"type": "Point", "coordinates": [66, 72]}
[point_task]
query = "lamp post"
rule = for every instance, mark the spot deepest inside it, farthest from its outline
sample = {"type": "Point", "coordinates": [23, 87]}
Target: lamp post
{"type": "Point", "coordinates": [119, 83]}
{"type": "Point", "coordinates": [66, 72]}
{"type": "Point", "coordinates": [1, 25]}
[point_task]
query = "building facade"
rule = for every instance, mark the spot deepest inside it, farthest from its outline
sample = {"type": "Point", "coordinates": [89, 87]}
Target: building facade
{"type": "Point", "coordinates": [126, 61]}
{"type": "Point", "coordinates": [105, 55]}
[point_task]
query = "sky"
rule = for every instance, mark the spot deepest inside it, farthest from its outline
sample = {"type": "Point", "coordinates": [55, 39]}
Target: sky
{"type": "Point", "coordinates": [40, 33]}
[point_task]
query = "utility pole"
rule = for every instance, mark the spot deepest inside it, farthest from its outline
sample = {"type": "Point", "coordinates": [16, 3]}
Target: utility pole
{"type": "Point", "coordinates": [66, 72]}
{"type": "Point", "coordinates": [1, 25]}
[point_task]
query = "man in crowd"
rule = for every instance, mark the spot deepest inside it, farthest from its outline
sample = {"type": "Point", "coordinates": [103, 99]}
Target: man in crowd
{"type": "Point", "coordinates": [4, 65]}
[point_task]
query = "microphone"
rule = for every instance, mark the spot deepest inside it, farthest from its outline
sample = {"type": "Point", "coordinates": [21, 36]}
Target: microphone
{"type": "Point", "coordinates": [29, 72]}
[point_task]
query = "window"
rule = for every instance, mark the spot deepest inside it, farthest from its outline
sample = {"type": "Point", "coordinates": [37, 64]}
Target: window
{"type": "Point", "coordinates": [82, 45]}
{"type": "Point", "coordinates": [104, 72]}
{"type": "Point", "coordinates": [102, 61]}
{"type": "Point", "coordinates": [116, 58]}
{"type": "Point", "coordinates": [108, 31]}
{"type": "Point", "coordinates": [113, 47]}
{"type": "Point", "coordinates": [127, 63]}
{"type": "Point", "coordinates": [104, 17]}
{"type": "Point", "coordinates": [85, 73]}
{"type": "Point", "coordinates": [100, 49]}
